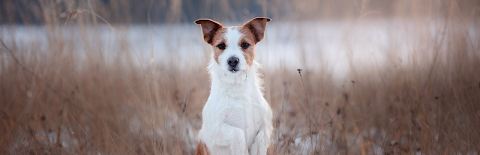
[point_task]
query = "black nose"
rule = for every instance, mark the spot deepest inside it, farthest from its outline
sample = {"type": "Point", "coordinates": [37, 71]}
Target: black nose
{"type": "Point", "coordinates": [233, 61]}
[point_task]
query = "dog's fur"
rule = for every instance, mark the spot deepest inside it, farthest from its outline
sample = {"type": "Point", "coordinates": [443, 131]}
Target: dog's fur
{"type": "Point", "coordinates": [236, 118]}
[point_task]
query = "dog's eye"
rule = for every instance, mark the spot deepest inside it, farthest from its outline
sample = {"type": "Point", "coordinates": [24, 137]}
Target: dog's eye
{"type": "Point", "coordinates": [221, 46]}
{"type": "Point", "coordinates": [245, 45]}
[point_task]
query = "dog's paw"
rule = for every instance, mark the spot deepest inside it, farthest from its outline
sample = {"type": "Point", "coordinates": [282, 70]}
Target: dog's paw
{"type": "Point", "coordinates": [259, 147]}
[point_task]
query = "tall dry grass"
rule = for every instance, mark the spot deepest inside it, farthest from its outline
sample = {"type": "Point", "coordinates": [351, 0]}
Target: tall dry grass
{"type": "Point", "coordinates": [57, 101]}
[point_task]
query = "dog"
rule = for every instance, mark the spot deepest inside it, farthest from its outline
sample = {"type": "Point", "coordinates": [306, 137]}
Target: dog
{"type": "Point", "coordinates": [236, 118]}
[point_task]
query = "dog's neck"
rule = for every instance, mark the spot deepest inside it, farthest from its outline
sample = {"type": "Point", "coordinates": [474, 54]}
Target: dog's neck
{"type": "Point", "coordinates": [240, 84]}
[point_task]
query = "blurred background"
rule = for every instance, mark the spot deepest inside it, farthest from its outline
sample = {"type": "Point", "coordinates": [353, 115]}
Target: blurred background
{"type": "Point", "coordinates": [129, 76]}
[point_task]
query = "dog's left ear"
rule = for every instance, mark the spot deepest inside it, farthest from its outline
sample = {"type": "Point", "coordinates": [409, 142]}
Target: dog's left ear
{"type": "Point", "coordinates": [257, 26]}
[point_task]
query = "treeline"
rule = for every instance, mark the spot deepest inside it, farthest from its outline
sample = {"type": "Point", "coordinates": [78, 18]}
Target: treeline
{"type": "Point", "coordinates": [175, 11]}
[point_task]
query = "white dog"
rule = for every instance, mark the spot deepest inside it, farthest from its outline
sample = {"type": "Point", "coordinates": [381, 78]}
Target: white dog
{"type": "Point", "coordinates": [236, 118]}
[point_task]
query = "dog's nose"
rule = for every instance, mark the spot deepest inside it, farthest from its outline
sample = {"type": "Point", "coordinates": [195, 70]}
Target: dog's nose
{"type": "Point", "coordinates": [233, 61]}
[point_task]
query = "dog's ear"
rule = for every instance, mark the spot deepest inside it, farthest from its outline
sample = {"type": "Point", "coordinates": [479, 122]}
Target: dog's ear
{"type": "Point", "coordinates": [209, 28]}
{"type": "Point", "coordinates": [257, 26]}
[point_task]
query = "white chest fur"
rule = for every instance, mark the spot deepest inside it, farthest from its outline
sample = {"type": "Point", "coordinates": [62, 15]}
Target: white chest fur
{"type": "Point", "coordinates": [235, 106]}
{"type": "Point", "coordinates": [243, 113]}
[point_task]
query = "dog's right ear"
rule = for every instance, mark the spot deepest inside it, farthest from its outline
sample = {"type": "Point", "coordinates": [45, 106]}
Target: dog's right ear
{"type": "Point", "coordinates": [209, 28]}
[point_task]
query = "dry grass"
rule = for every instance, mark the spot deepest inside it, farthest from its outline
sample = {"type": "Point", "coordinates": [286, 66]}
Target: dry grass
{"type": "Point", "coordinates": [56, 101]}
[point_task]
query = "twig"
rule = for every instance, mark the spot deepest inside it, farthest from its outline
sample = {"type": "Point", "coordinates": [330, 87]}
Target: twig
{"type": "Point", "coordinates": [309, 116]}
{"type": "Point", "coordinates": [306, 95]}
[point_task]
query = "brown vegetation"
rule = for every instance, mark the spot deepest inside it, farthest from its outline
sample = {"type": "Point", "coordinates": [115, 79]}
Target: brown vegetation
{"type": "Point", "coordinates": [57, 101]}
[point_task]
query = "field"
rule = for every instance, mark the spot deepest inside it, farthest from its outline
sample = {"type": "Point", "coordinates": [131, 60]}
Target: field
{"type": "Point", "coordinates": [404, 83]}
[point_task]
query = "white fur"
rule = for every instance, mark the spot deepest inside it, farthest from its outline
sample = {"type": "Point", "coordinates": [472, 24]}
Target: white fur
{"type": "Point", "coordinates": [236, 118]}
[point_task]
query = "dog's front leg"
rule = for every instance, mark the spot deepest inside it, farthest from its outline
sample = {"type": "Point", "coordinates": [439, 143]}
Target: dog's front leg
{"type": "Point", "coordinates": [262, 140]}
{"type": "Point", "coordinates": [259, 147]}
{"type": "Point", "coordinates": [233, 138]}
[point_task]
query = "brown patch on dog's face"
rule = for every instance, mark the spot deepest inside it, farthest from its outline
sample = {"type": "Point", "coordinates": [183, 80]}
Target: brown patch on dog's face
{"type": "Point", "coordinates": [212, 34]}
{"type": "Point", "coordinates": [216, 43]}
{"type": "Point", "coordinates": [254, 31]}
{"type": "Point", "coordinates": [250, 40]}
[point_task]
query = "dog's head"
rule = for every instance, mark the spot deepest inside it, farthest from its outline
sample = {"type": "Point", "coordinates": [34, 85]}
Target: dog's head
{"type": "Point", "coordinates": [233, 47]}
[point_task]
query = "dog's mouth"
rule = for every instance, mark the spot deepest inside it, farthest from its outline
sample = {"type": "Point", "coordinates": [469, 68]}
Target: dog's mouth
{"type": "Point", "coordinates": [233, 70]}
